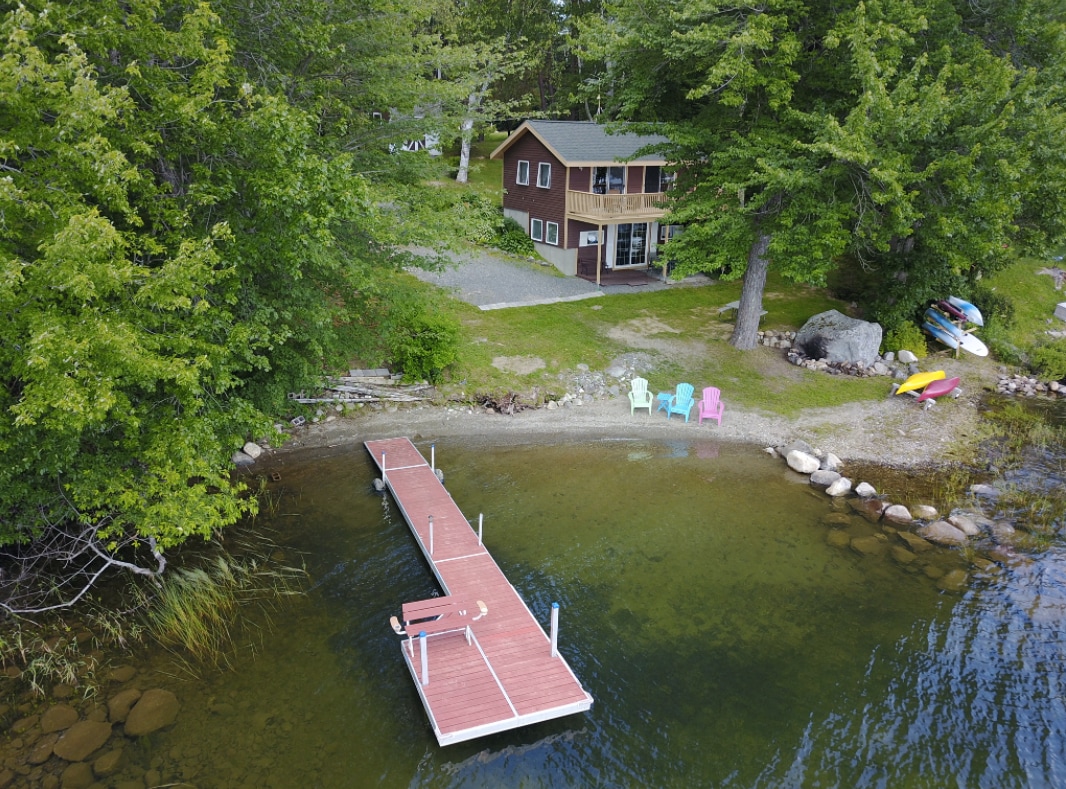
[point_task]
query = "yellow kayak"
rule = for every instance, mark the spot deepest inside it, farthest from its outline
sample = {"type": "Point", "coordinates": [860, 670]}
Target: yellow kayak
{"type": "Point", "coordinates": [920, 381]}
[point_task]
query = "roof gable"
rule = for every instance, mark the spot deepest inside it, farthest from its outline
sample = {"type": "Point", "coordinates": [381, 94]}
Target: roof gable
{"type": "Point", "coordinates": [583, 143]}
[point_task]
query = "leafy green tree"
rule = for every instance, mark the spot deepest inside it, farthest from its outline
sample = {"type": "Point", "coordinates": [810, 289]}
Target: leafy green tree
{"type": "Point", "coordinates": [907, 137]}
{"type": "Point", "coordinates": [170, 243]}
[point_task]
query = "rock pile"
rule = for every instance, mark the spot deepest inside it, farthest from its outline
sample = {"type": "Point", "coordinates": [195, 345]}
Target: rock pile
{"type": "Point", "coordinates": [1027, 386]}
{"type": "Point", "coordinates": [869, 525]}
{"type": "Point", "coordinates": [63, 745]}
{"type": "Point", "coordinates": [898, 366]}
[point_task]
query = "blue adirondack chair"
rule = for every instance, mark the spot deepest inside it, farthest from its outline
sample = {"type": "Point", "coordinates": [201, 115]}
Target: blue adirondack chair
{"type": "Point", "coordinates": [639, 396]}
{"type": "Point", "coordinates": [681, 402]}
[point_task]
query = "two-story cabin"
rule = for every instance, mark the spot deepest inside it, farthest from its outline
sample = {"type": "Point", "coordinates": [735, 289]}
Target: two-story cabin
{"type": "Point", "coordinates": [589, 206]}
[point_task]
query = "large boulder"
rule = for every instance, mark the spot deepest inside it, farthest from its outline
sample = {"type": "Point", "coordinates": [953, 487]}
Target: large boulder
{"type": "Point", "coordinates": [835, 337]}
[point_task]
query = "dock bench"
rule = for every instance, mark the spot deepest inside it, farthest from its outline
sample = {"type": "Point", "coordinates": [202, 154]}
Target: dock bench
{"type": "Point", "coordinates": [437, 615]}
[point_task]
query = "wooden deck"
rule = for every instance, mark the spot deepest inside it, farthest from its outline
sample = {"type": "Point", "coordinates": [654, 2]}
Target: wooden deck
{"type": "Point", "coordinates": [490, 673]}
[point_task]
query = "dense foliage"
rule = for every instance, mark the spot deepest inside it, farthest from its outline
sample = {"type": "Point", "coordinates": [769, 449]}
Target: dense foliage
{"type": "Point", "coordinates": [913, 140]}
{"type": "Point", "coordinates": [184, 240]}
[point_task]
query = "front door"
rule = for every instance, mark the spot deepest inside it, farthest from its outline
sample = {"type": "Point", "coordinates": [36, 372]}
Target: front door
{"type": "Point", "coordinates": [630, 245]}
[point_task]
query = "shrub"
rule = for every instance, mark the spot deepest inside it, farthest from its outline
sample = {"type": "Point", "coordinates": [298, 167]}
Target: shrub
{"type": "Point", "coordinates": [512, 237]}
{"type": "Point", "coordinates": [906, 337]}
{"type": "Point", "coordinates": [425, 345]}
{"type": "Point", "coordinates": [996, 308]}
{"type": "Point", "coordinates": [1049, 360]}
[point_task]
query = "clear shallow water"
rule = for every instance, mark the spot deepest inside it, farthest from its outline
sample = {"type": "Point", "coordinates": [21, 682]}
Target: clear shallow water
{"type": "Point", "coordinates": [724, 641]}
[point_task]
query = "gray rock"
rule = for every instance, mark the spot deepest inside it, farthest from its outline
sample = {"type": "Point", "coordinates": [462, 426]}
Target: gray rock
{"type": "Point", "coordinates": [616, 370]}
{"type": "Point", "coordinates": [987, 491]}
{"type": "Point", "coordinates": [840, 487]}
{"type": "Point", "coordinates": [835, 337]}
{"type": "Point", "coordinates": [925, 512]}
{"type": "Point", "coordinates": [155, 710]}
{"type": "Point", "coordinates": [906, 357]}
{"type": "Point", "coordinates": [897, 513]}
{"type": "Point", "coordinates": [865, 489]}
{"type": "Point", "coordinates": [824, 478]}
{"type": "Point", "coordinates": [80, 741]}
{"type": "Point", "coordinates": [240, 458]}
{"type": "Point", "coordinates": [1002, 531]}
{"type": "Point", "coordinates": [801, 462]}
{"type": "Point", "coordinates": [965, 524]}
{"type": "Point", "coordinates": [830, 462]}
{"type": "Point", "coordinates": [798, 445]}
{"type": "Point", "coordinates": [252, 450]}
{"type": "Point", "coordinates": [942, 533]}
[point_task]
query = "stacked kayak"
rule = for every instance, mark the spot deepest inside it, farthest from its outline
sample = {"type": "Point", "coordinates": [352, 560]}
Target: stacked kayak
{"type": "Point", "coordinates": [946, 322]}
{"type": "Point", "coordinates": [928, 385]}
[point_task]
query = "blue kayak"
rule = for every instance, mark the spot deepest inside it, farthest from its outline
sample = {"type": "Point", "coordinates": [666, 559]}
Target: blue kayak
{"type": "Point", "coordinates": [943, 335]}
{"type": "Point", "coordinates": [973, 315]}
{"type": "Point", "coordinates": [946, 332]}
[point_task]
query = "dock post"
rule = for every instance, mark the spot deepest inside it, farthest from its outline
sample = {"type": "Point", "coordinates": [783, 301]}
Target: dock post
{"type": "Point", "coordinates": [555, 630]}
{"type": "Point", "coordinates": [480, 521]}
{"type": "Point", "coordinates": [425, 658]}
{"type": "Point", "coordinates": [383, 479]}
{"type": "Point", "coordinates": [430, 535]}
{"type": "Point", "coordinates": [433, 457]}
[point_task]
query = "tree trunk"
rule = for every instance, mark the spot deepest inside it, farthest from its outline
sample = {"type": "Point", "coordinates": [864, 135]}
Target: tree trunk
{"type": "Point", "coordinates": [746, 332]}
{"type": "Point", "coordinates": [466, 135]}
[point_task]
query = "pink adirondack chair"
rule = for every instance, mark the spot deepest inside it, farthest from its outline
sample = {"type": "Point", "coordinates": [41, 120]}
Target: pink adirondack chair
{"type": "Point", "coordinates": [710, 407]}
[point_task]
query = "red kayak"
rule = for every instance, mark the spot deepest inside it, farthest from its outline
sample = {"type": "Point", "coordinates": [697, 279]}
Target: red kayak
{"type": "Point", "coordinates": [951, 310]}
{"type": "Point", "coordinates": [938, 388]}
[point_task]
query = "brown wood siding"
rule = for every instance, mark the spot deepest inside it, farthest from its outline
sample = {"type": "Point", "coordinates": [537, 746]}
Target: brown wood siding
{"type": "Point", "coordinates": [546, 204]}
{"type": "Point", "coordinates": [581, 179]}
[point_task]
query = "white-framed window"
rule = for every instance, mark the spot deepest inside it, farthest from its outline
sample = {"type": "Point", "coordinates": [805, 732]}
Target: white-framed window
{"type": "Point", "coordinates": [536, 229]}
{"type": "Point", "coordinates": [544, 175]}
{"type": "Point", "coordinates": [589, 238]}
{"type": "Point", "coordinates": [522, 179]}
{"type": "Point", "coordinates": [552, 235]}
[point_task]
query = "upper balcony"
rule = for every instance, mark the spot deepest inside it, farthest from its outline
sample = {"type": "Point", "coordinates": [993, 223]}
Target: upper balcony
{"type": "Point", "coordinates": [615, 207]}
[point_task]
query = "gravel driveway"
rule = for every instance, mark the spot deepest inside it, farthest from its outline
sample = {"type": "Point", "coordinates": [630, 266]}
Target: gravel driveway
{"type": "Point", "coordinates": [492, 281]}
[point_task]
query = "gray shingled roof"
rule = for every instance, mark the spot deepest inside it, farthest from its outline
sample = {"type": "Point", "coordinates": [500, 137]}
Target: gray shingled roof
{"type": "Point", "coordinates": [583, 142]}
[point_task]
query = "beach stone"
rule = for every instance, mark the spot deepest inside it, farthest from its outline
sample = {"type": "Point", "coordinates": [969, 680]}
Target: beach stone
{"type": "Point", "coordinates": [906, 357]}
{"type": "Point", "coordinates": [81, 740]}
{"type": "Point", "coordinates": [868, 546]}
{"type": "Point", "coordinates": [836, 519]}
{"type": "Point", "coordinates": [824, 478]}
{"type": "Point", "coordinates": [915, 542]}
{"type": "Point", "coordinates": [840, 487]}
{"type": "Point", "coordinates": [77, 776]}
{"type": "Point", "coordinates": [865, 489]}
{"type": "Point", "coordinates": [925, 512]}
{"type": "Point", "coordinates": [42, 749]}
{"type": "Point", "coordinates": [123, 673]}
{"type": "Point", "coordinates": [831, 462]}
{"type": "Point", "coordinates": [943, 533]}
{"type": "Point", "coordinates": [58, 717]}
{"type": "Point", "coordinates": [119, 705]}
{"type": "Point", "coordinates": [1002, 531]}
{"type": "Point", "coordinates": [835, 337]}
{"type": "Point", "coordinates": [965, 524]}
{"type": "Point", "coordinates": [897, 513]}
{"type": "Point", "coordinates": [252, 450]}
{"type": "Point", "coordinates": [108, 764]}
{"type": "Point", "coordinates": [953, 580]}
{"type": "Point", "coordinates": [986, 491]}
{"type": "Point", "coordinates": [902, 555]}
{"type": "Point", "coordinates": [24, 724]}
{"type": "Point", "coordinates": [155, 710]}
{"type": "Point", "coordinates": [798, 445]}
{"type": "Point", "coordinates": [868, 508]}
{"type": "Point", "coordinates": [801, 462]}
{"type": "Point", "coordinates": [838, 538]}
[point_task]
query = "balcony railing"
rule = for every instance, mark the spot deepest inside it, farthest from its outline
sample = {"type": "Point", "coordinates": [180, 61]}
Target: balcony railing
{"type": "Point", "coordinates": [626, 206]}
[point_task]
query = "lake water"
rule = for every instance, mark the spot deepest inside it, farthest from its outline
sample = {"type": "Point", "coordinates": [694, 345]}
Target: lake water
{"type": "Point", "coordinates": [725, 641]}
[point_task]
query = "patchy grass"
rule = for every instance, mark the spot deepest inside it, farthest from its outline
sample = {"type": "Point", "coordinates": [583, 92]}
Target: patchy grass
{"type": "Point", "coordinates": [1034, 298]}
{"type": "Point", "coordinates": [679, 330]}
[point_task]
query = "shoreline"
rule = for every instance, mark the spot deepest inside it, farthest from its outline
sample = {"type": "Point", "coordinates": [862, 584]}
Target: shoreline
{"type": "Point", "coordinates": [895, 431]}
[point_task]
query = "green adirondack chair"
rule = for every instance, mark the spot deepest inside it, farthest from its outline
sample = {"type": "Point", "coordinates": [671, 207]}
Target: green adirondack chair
{"type": "Point", "coordinates": [639, 396]}
{"type": "Point", "coordinates": [681, 402]}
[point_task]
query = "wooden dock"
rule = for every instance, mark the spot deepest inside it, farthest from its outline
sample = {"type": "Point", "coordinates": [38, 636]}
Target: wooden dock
{"type": "Point", "coordinates": [485, 665]}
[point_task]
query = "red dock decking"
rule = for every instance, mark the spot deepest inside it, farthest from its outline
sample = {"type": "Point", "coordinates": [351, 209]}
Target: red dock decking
{"type": "Point", "coordinates": [490, 673]}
